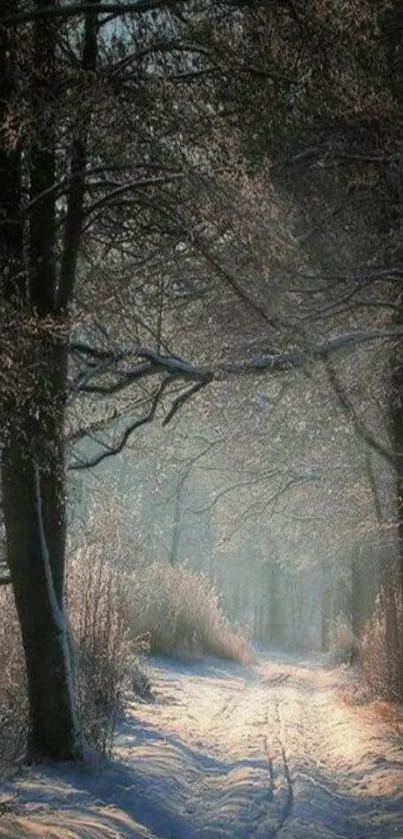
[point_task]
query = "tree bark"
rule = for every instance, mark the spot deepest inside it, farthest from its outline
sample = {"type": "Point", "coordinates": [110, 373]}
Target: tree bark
{"type": "Point", "coordinates": [276, 606]}
{"type": "Point", "coordinates": [397, 420]}
{"type": "Point", "coordinates": [33, 402]}
{"type": "Point", "coordinates": [34, 513]}
{"type": "Point", "coordinates": [326, 607]}
{"type": "Point", "coordinates": [357, 620]}
{"type": "Point", "coordinates": [176, 528]}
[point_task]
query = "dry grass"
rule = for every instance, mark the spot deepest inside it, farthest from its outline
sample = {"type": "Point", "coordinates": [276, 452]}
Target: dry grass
{"type": "Point", "coordinates": [387, 713]}
{"type": "Point", "coordinates": [13, 694]}
{"type": "Point", "coordinates": [178, 611]}
{"type": "Point", "coordinates": [106, 652]}
{"type": "Point", "coordinates": [106, 658]}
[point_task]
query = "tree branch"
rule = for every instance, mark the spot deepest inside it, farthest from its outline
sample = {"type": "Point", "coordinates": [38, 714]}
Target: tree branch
{"type": "Point", "coordinates": [110, 451]}
{"type": "Point", "coordinates": [152, 363]}
{"type": "Point", "coordinates": [75, 202]}
{"type": "Point", "coordinates": [180, 400]}
{"type": "Point", "coordinates": [320, 351]}
{"type": "Point", "coordinates": [131, 187]}
{"type": "Point", "coordinates": [59, 188]}
{"type": "Point", "coordinates": [350, 413]}
{"type": "Point", "coordinates": [293, 478]}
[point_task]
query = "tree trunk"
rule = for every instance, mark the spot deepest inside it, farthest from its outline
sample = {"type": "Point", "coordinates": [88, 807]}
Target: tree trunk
{"type": "Point", "coordinates": [34, 514]}
{"type": "Point", "coordinates": [396, 416]}
{"type": "Point", "coordinates": [176, 528]}
{"type": "Point", "coordinates": [356, 593]}
{"type": "Point", "coordinates": [34, 299]}
{"type": "Point", "coordinates": [326, 611]}
{"type": "Point", "coordinates": [276, 607]}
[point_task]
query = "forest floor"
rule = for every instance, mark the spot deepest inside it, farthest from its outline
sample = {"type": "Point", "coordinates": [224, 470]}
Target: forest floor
{"type": "Point", "coordinates": [269, 751]}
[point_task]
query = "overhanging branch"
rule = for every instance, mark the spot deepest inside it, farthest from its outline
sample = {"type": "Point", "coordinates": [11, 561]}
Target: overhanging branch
{"type": "Point", "coordinates": [110, 451]}
{"type": "Point", "coordinates": [138, 7]}
{"type": "Point", "coordinates": [349, 411]}
{"type": "Point", "coordinates": [132, 186]}
{"type": "Point", "coordinates": [184, 397]}
{"type": "Point", "coordinates": [149, 363]}
{"type": "Point", "coordinates": [297, 359]}
{"type": "Point", "coordinates": [123, 367]}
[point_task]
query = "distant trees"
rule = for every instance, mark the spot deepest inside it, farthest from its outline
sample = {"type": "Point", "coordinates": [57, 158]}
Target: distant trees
{"type": "Point", "coordinates": [329, 79]}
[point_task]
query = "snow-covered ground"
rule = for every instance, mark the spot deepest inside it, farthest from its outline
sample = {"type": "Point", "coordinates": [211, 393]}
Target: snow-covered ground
{"type": "Point", "coordinates": [224, 751]}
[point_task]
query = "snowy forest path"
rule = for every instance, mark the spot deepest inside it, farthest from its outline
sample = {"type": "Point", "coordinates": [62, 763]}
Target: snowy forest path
{"type": "Point", "coordinates": [225, 752]}
{"type": "Point", "coordinates": [276, 753]}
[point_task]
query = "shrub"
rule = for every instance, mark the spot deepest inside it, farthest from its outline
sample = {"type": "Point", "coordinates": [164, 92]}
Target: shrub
{"type": "Point", "coordinates": [178, 611]}
{"type": "Point", "coordinates": [105, 655]}
{"type": "Point", "coordinates": [343, 641]}
{"type": "Point", "coordinates": [106, 651]}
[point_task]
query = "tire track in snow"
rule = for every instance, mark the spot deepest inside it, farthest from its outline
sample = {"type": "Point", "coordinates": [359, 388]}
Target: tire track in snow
{"type": "Point", "coordinates": [275, 792]}
{"type": "Point", "coordinates": [266, 748]}
{"type": "Point", "coordinates": [289, 799]}
{"type": "Point", "coordinates": [288, 795]}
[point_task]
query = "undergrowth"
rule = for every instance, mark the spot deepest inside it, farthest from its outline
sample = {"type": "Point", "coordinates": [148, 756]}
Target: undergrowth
{"type": "Point", "coordinates": [115, 618]}
{"type": "Point", "coordinates": [106, 651]}
{"type": "Point", "coordinates": [178, 611]}
{"type": "Point", "coordinates": [106, 658]}
{"type": "Point", "coordinates": [343, 642]}
{"type": "Point", "coordinates": [13, 692]}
